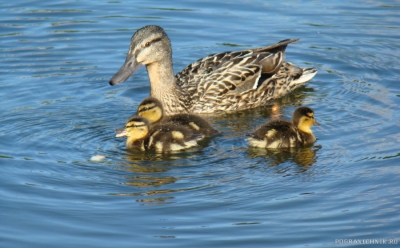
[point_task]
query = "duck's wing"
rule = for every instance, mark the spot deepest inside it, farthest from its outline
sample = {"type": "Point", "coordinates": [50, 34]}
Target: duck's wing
{"type": "Point", "coordinates": [271, 64]}
{"type": "Point", "coordinates": [233, 72]}
{"type": "Point", "coordinates": [277, 46]}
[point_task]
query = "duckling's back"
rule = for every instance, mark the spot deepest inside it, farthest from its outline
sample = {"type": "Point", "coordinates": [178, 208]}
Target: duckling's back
{"type": "Point", "coordinates": [169, 137]}
{"type": "Point", "coordinates": [276, 134]}
{"type": "Point", "coordinates": [194, 122]}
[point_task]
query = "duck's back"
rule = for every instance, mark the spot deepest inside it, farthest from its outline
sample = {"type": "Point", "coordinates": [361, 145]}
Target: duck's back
{"type": "Point", "coordinates": [268, 59]}
{"type": "Point", "coordinates": [233, 72]}
{"type": "Point", "coordinates": [276, 134]}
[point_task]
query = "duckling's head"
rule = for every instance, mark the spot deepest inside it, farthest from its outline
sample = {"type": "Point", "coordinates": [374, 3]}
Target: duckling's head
{"type": "Point", "coordinates": [136, 128]}
{"type": "Point", "coordinates": [149, 44]}
{"type": "Point", "coordinates": [303, 119]}
{"type": "Point", "coordinates": [151, 109]}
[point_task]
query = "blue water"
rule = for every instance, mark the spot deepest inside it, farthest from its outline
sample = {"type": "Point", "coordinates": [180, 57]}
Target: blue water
{"type": "Point", "coordinates": [57, 111]}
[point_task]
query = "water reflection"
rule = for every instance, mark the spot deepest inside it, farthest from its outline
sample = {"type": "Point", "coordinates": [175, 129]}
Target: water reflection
{"type": "Point", "coordinates": [148, 176]}
{"type": "Point", "coordinates": [302, 156]}
{"type": "Point", "coordinates": [150, 173]}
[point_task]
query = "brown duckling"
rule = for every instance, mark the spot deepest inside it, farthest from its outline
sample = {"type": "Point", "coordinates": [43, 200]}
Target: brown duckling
{"type": "Point", "coordinates": [282, 134]}
{"type": "Point", "coordinates": [160, 138]}
{"type": "Point", "coordinates": [152, 109]}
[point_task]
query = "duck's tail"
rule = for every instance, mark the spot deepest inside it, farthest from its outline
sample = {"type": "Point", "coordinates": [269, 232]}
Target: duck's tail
{"type": "Point", "coordinates": [286, 80]}
{"type": "Point", "coordinates": [296, 76]}
{"type": "Point", "coordinates": [306, 75]}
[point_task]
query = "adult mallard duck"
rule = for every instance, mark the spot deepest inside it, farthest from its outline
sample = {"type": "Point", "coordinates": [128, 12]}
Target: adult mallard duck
{"type": "Point", "coordinates": [152, 109]}
{"type": "Point", "coordinates": [160, 138]}
{"type": "Point", "coordinates": [228, 81]}
{"type": "Point", "coordinates": [283, 134]}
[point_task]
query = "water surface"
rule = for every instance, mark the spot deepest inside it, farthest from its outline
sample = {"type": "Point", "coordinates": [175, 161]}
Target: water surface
{"type": "Point", "coordinates": [58, 111]}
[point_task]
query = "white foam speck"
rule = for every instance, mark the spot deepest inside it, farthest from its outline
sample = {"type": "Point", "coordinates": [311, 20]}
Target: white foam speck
{"type": "Point", "coordinates": [97, 158]}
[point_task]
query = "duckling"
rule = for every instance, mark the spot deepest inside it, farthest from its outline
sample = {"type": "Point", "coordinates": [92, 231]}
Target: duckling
{"type": "Point", "coordinates": [223, 82]}
{"type": "Point", "coordinates": [152, 109]}
{"type": "Point", "coordinates": [161, 138]}
{"type": "Point", "coordinates": [282, 134]}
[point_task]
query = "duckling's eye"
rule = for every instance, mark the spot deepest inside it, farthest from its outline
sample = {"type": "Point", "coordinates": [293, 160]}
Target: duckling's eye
{"type": "Point", "coordinates": [143, 109]}
{"type": "Point", "coordinates": [147, 44]}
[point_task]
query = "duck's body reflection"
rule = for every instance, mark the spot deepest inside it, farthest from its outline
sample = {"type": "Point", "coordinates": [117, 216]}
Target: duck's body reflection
{"type": "Point", "coordinates": [303, 156]}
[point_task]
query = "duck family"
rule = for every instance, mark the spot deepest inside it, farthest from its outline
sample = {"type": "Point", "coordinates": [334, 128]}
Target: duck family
{"type": "Point", "coordinates": [169, 119]}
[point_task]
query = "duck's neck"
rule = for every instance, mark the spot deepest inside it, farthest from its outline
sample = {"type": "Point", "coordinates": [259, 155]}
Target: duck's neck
{"type": "Point", "coordinates": [134, 143]}
{"type": "Point", "coordinates": [308, 136]}
{"type": "Point", "coordinates": [164, 86]}
{"type": "Point", "coordinates": [305, 129]}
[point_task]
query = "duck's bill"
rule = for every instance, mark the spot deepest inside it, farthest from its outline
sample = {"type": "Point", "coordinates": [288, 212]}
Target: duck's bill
{"type": "Point", "coordinates": [127, 69]}
{"type": "Point", "coordinates": [316, 123]}
{"type": "Point", "coordinates": [119, 130]}
{"type": "Point", "coordinates": [122, 134]}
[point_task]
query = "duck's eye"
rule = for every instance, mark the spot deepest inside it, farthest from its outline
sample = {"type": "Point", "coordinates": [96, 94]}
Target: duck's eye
{"type": "Point", "coordinates": [147, 44]}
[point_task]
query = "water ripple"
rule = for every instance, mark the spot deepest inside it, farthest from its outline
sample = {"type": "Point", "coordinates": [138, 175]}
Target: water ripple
{"type": "Point", "coordinates": [58, 111]}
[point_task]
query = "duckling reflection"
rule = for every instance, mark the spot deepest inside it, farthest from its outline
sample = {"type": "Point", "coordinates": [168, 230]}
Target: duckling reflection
{"type": "Point", "coordinates": [149, 181]}
{"type": "Point", "coordinates": [302, 156]}
{"type": "Point", "coordinates": [148, 173]}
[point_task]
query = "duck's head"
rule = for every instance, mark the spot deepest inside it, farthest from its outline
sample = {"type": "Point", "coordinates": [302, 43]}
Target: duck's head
{"type": "Point", "coordinates": [303, 119]}
{"type": "Point", "coordinates": [151, 109]}
{"type": "Point", "coordinates": [149, 44]}
{"type": "Point", "coordinates": [136, 128]}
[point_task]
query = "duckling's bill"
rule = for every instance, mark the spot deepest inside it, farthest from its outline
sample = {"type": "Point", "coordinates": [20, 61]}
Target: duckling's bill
{"type": "Point", "coordinates": [118, 130]}
{"type": "Point", "coordinates": [122, 133]}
